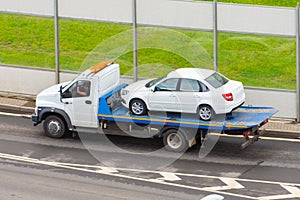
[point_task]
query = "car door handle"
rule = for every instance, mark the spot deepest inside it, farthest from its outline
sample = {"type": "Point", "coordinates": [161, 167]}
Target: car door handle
{"type": "Point", "coordinates": [172, 95]}
{"type": "Point", "coordinates": [88, 102]}
{"type": "Point", "coordinates": [68, 102]}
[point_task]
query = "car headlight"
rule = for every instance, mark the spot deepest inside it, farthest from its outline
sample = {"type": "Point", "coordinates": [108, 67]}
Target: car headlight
{"type": "Point", "coordinates": [125, 92]}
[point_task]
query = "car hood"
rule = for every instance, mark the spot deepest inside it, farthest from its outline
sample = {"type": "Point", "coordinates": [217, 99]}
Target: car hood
{"type": "Point", "coordinates": [137, 85]}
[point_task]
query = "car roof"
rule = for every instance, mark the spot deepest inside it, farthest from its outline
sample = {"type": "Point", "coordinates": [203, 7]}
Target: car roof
{"type": "Point", "coordinates": [192, 73]}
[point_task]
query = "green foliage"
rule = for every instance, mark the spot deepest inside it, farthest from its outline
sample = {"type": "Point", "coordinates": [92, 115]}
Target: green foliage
{"type": "Point", "coordinates": [261, 61]}
{"type": "Point", "coordinates": [284, 3]}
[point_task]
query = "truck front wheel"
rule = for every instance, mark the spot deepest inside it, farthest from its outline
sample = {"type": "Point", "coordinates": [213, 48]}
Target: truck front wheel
{"type": "Point", "coordinates": [54, 126]}
{"type": "Point", "coordinates": [175, 140]}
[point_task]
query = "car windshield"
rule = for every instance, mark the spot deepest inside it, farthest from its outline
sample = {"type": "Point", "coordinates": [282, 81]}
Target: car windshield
{"type": "Point", "coordinates": [153, 82]}
{"type": "Point", "coordinates": [216, 80]}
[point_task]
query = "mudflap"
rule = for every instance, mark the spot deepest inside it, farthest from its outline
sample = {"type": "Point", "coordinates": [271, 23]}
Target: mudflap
{"type": "Point", "coordinates": [251, 136]}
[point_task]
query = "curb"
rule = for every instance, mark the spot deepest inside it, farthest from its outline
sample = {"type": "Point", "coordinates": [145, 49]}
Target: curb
{"type": "Point", "coordinates": [16, 109]}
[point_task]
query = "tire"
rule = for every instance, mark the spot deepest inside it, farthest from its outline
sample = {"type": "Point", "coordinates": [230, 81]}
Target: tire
{"type": "Point", "coordinates": [138, 107]}
{"type": "Point", "coordinates": [175, 140]}
{"type": "Point", "coordinates": [205, 112]}
{"type": "Point", "coordinates": [54, 127]}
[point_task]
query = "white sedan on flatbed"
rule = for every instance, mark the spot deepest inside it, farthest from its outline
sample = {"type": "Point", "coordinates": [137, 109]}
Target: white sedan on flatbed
{"type": "Point", "coordinates": [185, 90]}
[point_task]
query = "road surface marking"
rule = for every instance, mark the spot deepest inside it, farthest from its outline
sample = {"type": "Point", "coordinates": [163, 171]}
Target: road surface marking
{"type": "Point", "coordinates": [109, 170]}
{"type": "Point", "coordinates": [230, 184]}
{"type": "Point", "coordinates": [55, 164]}
{"type": "Point", "coordinates": [168, 176]}
{"type": "Point", "coordinates": [260, 137]}
{"type": "Point", "coordinates": [294, 193]}
{"type": "Point", "coordinates": [15, 115]}
{"type": "Point", "coordinates": [280, 139]}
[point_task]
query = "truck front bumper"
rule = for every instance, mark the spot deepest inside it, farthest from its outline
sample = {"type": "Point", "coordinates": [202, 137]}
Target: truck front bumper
{"type": "Point", "coordinates": [36, 118]}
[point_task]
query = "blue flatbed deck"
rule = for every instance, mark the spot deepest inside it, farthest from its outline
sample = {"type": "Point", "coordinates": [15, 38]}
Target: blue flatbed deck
{"type": "Point", "coordinates": [244, 118]}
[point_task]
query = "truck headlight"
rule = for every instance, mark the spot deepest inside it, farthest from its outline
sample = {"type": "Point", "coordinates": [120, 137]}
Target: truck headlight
{"type": "Point", "coordinates": [125, 92]}
{"type": "Point", "coordinates": [36, 110]}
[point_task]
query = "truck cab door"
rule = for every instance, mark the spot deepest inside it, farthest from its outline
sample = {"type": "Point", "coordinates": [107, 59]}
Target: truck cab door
{"type": "Point", "coordinates": [81, 104]}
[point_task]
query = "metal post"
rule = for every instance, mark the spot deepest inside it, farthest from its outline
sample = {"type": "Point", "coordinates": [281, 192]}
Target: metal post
{"type": "Point", "coordinates": [298, 61]}
{"type": "Point", "coordinates": [56, 26]}
{"type": "Point", "coordinates": [215, 17]}
{"type": "Point", "coordinates": [134, 29]}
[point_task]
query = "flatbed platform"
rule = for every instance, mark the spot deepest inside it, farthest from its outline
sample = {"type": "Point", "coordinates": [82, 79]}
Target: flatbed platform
{"type": "Point", "coordinates": [243, 118]}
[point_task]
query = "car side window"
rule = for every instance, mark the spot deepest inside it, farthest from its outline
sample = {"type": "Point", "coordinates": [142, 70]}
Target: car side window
{"type": "Point", "coordinates": [167, 85]}
{"type": "Point", "coordinates": [78, 89]}
{"type": "Point", "coordinates": [204, 88]}
{"type": "Point", "coordinates": [189, 85]}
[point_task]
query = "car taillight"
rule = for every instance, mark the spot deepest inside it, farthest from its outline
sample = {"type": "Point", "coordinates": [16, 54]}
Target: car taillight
{"type": "Point", "coordinates": [228, 96]}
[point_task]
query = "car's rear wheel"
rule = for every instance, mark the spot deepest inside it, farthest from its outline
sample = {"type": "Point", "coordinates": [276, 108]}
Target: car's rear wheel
{"type": "Point", "coordinates": [138, 107]}
{"type": "Point", "coordinates": [205, 112]}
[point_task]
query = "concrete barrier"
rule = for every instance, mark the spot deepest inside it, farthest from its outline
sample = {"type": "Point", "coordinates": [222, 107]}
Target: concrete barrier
{"type": "Point", "coordinates": [30, 81]}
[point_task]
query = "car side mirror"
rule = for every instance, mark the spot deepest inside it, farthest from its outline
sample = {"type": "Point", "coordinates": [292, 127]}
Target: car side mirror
{"type": "Point", "coordinates": [155, 89]}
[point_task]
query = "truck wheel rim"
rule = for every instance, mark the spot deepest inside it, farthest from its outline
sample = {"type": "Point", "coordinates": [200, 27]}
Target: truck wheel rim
{"type": "Point", "coordinates": [174, 140]}
{"type": "Point", "coordinates": [54, 127]}
{"type": "Point", "coordinates": [205, 113]}
{"type": "Point", "coordinates": [137, 108]}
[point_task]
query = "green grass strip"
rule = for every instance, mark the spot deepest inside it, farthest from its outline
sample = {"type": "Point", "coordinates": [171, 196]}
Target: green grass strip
{"type": "Point", "coordinates": [256, 60]}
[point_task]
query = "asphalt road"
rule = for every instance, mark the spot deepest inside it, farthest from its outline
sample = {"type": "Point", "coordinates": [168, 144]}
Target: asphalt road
{"type": "Point", "coordinates": [33, 166]}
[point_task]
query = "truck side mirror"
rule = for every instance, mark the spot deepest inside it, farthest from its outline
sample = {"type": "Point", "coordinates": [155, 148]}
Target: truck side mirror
{"type": "Point", "coordinates": [156, 88]}
{"type": "Point", "coordinates": [60, 93]}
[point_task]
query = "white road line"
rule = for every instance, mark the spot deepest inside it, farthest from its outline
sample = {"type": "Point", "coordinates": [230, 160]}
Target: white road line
{"type": "Point", "coordinates": [20, 158]}
{"type": "Point", "coordinates": [230, 184]}
{"type": "Point", "coordinates": [14, 115]}
{"type": "Point", "coordinates": [294, 193]}
{"type": "Point", "coordinates": [168, 176]}
{"type": "Point", "coordinates": [109, 170]}
{"type": "Point", "coordinates": [261, 137]}
{"type": "Point", "coordinates": [280, 139]}
{"type": "Point", "coordinates": [95, 167]}
{"type": "Point", "coordinates": [54, 164]}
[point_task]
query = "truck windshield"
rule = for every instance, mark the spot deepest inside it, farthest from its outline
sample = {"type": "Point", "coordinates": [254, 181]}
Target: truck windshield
{"type": "Point", "coordinates": [153, 82]}
{"type": "Point", "coordinates": [216, 80]}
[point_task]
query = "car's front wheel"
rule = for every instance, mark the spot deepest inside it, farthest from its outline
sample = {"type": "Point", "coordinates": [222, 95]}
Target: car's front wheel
{"type": "Point", "coordinates": [138, 107]}
{"type": "Point", "coordinates": [205, 112]}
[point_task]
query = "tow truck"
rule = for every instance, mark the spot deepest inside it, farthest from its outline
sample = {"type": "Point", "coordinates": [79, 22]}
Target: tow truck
{"type": "Point", "coordinates": [63, 108]}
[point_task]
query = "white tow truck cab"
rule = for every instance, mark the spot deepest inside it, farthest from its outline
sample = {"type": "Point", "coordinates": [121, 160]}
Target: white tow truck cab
{"type": "Point", "coordinates": [75, 103]}
{"type": "Point", "coordinates": [92, 101]}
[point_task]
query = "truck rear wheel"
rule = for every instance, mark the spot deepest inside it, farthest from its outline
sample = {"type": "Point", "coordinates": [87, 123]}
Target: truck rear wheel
{"type": "Point", "coordinates": [54, 126]}
{"type": "Point", "coordinates": [175, 140]}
